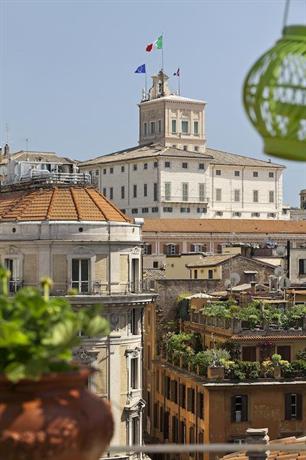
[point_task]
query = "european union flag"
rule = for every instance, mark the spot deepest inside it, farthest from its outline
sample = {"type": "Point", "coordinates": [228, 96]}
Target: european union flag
{"type": "Point", "coordinates": [141, 69]}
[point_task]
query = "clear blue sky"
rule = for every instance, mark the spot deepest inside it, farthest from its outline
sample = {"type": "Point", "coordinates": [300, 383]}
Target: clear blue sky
{"type": "Point", "coordinates": [67, 77]}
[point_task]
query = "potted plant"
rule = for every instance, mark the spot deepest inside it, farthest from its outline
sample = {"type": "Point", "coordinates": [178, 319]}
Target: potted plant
{"type": "Point", "coordinates": [46, 411]}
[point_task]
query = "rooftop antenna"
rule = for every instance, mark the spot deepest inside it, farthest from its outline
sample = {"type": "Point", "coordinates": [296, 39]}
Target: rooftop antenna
{"type": "Point", "coordinates": [27, 144]}
{"type": "Point", "coordinates": [7, 132]}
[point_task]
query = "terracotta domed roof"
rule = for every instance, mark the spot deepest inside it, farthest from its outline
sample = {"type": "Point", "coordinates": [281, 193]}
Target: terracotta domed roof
{"type": "Point", "coordinates": [67, 203]}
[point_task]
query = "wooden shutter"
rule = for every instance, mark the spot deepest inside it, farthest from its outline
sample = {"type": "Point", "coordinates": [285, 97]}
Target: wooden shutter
{"type": "Point", "coordinates": [177, 249]}
{"type": "Point", "coordinates": [233, 408]}
{"type": "Point", "coordinates": [301, 266]}
{"type": "Point", "coordinates": [165, 249]}
{"type": "Point", "coordinates": [288, 406]}
{"type": "Point", "coordinates": [299, 409]}
{"type": "Point", "coordinates": [161, 421]}
{"type": "Point", "coordinates": [244, 415]}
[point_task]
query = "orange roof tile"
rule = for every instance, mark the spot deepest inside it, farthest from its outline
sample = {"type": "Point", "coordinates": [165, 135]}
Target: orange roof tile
{"type": "Point", "coordinates": [224, 226]}
{"type": "Point", "coordinates": [73, 203]}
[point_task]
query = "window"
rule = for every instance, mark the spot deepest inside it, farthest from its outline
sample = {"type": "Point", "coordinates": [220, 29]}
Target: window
{"type": "Point", "coordinates": [185, 210]}
{"type": "Point", "coordinates": [80, 275]}
{"type": "Point", "coordinates": [185, 148]}
{"type": "Point", "coordinates": [97, 172]}
{"type": "Point", "coordinates": [185, 191]}
{"type": "Point", "coordinates": [166, 425]}
{"type": "Point", "coordinates": [145, 166]}
{"type": "Point", "coordinates": [152, 127]}
{"type": "Point", "coordinates": [239, 408]}
{"type": "Point", "coordinates": [122, 168]}
{"type": "Point", "coordinates": [182, 432]}
{"type": "Point", "coordinates": [271, 214]}
{"type": "Point", "coordinates": [145, 129]}
{"type": "Point", "coordinates": [185, 165]}
{"type": "Point", "coordinates": [159, 126]}
{"type": "Point", "coordinates": [237, 195]}
{"type": "Point", "coordinates": [293, 406]}
{"type": "Point", "coordinates": [168, 209]}
{"type": "Point", "coordinates": [197, 248]}
{"type": "Point", "coordinates": [174, 391]}
{"type": "Point", "coordinates": [237, 214]}
{"type": "Point", "coordinates": [237, 173]}
{"type": "Point", "coordinates": [167, 164]}
{"type": "Point", "coordinates": [147, 249]}
{"type": "Point", "coordinates": [145, 189]}
{"type": "Point", "coordinates": [255, 173]}
{"type": "Point", "coordinates": [271, 174]}
{"type": "Point", "coordinates": [200, 405]}
{"type": "Point", "coordinates": [210, 274]}
{"type": "Point", "coordinates": [182, 395]}
{"type": "Point", "coordinates": [195, 128]}
{"type": "Point", "coordinates": [202, 210]}
{"type": "Point", "coordinates": [156, 415]}
{"type": "Point", "coordinates": [218, 172]}
{"type": "Point", "coordinates": [155, 209]}
{"type": "Point", "coordinates": [185, 127]}
{"type": "Point", "coordinates": [173, 126]}
{"type": "Point", "coordinates": [155, 264]}
{"type": "Point", "coordinates": [171, 249]}
{"type": "Point", "coordinates": [175, 426]}
{"type": "Point", "coordinates": [190, 400]}
{"type": "Point", "coordinates": [122, 192]}
{"type": "Point", "coordinates": [271, 196]}
{"type": "Point", "coordinates": [155, 164]}
{"type": "Point", "coordinates": [255, 196]}
{"type": "Point", "coordinates": [201, 165]}
{"type": "Point", "coordinates": [135, 431]}
{"type": "Point", "coordinates": [134, 167]}
{"type": "Point", "coordinates": [155, 194]}
{"type": "Point", "coordinates": [255, 214]}
{"type": "Point", "coordinates": [285, 352]}
{"type": "Point", "coordinates": [302, 266]}
{"type": "Point", "coordinates": [134, 191]}
{"type": "Point", "coordinates": [167, 191]}
{"type": "Point", "coordinates": [201, 192]}
{"type": "Point", "coordinates": [104, 191]}
{"type": "Point", "coordinates": [145, 210]}
{"type": "Point", "coordinates": [134, 211]}
{"type": "Point", "coordinates": [111, 170]}
{"type": "Point", "coordinates": [219, 213]}
{"type": "Point", "coordinates": [218, 194]}
{"type": "Point", "coordinates": [195, 274]}
{"type": "Point", "coordinates": [12, 266]}
{"type": "Point", "coordinates": [104, 171]}
{"type": "Point", "coordinates": [134, 373]}
{"type": "Point", "coordinates": [111, 193]}
{"type": "Point", "coordinates": [196, 148]}
{"type": "Point", "coordinates": [248, 353]}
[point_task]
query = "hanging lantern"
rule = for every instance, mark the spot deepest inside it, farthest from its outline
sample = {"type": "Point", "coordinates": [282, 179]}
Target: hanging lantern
{"type": "Point", "coordinates": [274, 95]}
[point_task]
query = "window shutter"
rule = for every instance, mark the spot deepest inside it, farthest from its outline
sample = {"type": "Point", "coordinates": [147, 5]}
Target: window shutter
{"type": "Point", "coordinates": [192, 249]}
{"type": "Point", "coordinates": [299, 406]}
{"type": "Point", "coordinates": [288, 406]}
{"type": "Point", "coordinates": [233, 411]}
{"type": "Point", "coordinates": [301, 266]}
{"type": "Point", "coordinates": [244, 415]}
{"type": "Point", "coordinates": [177, 249]}
{"type": "Point", "coordinates": [165, 249]}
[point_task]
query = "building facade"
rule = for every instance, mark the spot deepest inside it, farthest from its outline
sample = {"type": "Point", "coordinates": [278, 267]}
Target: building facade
{"type": "Point", "coordinates": [72, 234]}
{"type": "Point", "coordinates": [172, 174]}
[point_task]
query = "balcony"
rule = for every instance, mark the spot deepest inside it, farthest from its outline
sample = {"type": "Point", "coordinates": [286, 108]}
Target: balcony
{"type": "Point", "coordinates": [186, 200]}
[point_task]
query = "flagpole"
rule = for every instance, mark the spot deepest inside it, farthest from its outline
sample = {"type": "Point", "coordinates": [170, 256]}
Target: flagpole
{"type": "Point", "coordinates": [146, 83]}
{"type": "Point", "coordinates": [179, 83]}
{"type": "Point", "coordinates": [162, 51]}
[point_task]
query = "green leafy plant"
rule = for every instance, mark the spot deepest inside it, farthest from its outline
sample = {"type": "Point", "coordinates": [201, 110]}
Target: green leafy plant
{"type": "Point", "coordinates": [38, 333]}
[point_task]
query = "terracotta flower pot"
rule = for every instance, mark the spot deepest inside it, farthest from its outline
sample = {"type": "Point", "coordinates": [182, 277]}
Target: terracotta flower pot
{"type": "Point", "coordinates": [55, 418]}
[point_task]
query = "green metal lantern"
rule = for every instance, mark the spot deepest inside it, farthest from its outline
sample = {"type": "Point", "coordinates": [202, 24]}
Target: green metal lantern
{"type": "Point", "coordinates": [274, 95]}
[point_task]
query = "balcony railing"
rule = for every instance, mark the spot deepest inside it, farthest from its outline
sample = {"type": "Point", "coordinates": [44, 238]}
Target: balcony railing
{"type": "Point", "coordinates": [180, 199]}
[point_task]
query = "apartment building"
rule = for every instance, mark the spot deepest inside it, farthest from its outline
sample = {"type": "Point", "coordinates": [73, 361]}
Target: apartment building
{"type": "Point", "coordinates": [74, 235]}
{"type": "Point", "coordinates": [173, 174]}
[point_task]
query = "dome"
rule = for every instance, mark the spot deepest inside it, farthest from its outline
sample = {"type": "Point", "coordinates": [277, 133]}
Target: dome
{"type": "Point", "coordinates": [274, 95]}
{"type": "Point", "coordinates": [58, 203]}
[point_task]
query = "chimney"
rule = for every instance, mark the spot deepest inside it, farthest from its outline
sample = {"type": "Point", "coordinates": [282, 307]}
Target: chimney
{"type": "Point", "coordinates": [253, 287]}
{"type": "Point", "coordinates": [257, 436]}
{"type": "Point", "coordinates": [6, 150]}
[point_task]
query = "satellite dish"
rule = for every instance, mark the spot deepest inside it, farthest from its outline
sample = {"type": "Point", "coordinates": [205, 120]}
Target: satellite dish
{"type": "Point", "coordinates": [279, 271]}
{"type": "Point", "coordinates": [281, 251]}
{"type": "Point", "coordinates": [284, 282]}
{"type": "Point", "coordinates": [234, 279]}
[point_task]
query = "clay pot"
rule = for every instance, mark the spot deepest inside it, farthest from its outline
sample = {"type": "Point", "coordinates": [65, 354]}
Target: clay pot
{"type": "Point", "coordinates": [55, 418]}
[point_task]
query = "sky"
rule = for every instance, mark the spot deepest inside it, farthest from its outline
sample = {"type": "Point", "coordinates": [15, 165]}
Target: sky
{"type": "Point", "coordinates": [67, 81]}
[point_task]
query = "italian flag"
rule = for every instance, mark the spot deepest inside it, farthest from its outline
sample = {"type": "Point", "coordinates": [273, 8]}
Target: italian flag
{"type": "Point", "coordinates": [158, 44]}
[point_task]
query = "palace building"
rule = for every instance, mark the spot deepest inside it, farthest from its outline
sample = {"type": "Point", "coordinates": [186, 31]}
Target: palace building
{"type": "Point", "coordinates": [172, 173]}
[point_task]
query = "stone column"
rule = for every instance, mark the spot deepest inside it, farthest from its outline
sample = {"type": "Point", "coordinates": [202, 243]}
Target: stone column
{"type": "Point", "coordinates": [257, 436]}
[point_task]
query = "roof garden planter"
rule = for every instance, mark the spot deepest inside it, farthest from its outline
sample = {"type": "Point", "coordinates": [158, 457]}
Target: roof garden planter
{"type": "Point", "coordinates": [215, 372]}
{"type": "Point", "coordinates": [46, 411]}
{"type": "Point", "coordinates": [54, 418]}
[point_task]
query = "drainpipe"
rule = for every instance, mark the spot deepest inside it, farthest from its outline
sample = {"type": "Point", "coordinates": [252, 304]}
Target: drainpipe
{"type": "Point", "coordinates": [109, 260]}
